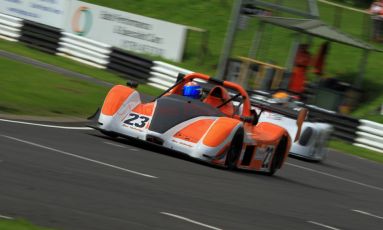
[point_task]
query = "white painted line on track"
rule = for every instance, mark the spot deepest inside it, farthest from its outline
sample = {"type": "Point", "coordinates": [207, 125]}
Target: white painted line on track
{"type": "Point", "coordinates": [366, 213]}
{"type": "Point", "coordinates": [322, 225]}
{"type": "Point", "coordinates": [135, 150]}
{"type": "Point", "coordinates": [190, 220]}
{"type": "Point", "coordinates": [113, 144]}
{"type": "Point", "coordinates": [79, 157]}
{"type": "Point", "coordinates": [47, 126]}
{"type": "Point", "coordinates": [337, 177]}
{"type": "Point", "coordinates": [6, 217]}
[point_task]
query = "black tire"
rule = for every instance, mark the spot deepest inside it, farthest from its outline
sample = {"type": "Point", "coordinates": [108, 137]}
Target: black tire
{"type": "Point", "coordinates": [276, 163]}
{"type": "Point", "coordinates": [234, 149]}
{"type": "Point", "coordinates": [306, 136]}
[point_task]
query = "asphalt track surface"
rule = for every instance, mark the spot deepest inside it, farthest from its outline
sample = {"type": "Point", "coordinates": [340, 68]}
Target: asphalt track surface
{"type": "Point", "coordinates": [80, 179]}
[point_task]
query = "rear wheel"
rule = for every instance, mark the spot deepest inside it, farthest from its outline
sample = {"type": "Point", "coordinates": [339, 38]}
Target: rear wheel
{"type": "Point", "coordinates": [235, 148]}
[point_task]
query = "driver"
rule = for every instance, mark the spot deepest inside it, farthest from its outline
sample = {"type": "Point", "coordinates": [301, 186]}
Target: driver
{"type": "Point", "coordinates": [192, 90]}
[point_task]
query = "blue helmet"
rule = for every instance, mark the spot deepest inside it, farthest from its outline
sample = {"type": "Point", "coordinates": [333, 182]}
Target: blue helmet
{"type": "Point", "coordinates": [192, 90]}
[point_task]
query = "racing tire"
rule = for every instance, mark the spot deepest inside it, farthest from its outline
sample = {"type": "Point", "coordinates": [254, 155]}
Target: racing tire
{"type": "Point", "coordinates": [277, 161]}
{"type": "Point", "coordinates": [234, 150]}
{"type": "Point", "coordinates": [306, 136]}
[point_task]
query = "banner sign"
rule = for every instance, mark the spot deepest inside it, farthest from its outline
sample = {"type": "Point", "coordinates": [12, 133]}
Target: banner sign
{"type": "Point", "coordinates": [126, 30]}
{"type": "Point", "coordinates": [48, 12]}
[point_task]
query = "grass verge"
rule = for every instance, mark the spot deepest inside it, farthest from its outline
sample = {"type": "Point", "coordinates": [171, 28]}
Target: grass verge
{"type": "Point", "coordinates": [26, 89]}
{"type": "Point", "coordinates": [23, 50]}
{"type": "Point", "coordinates": [357, 151]}
{"type": "Point", "coordinates": [19, 225]}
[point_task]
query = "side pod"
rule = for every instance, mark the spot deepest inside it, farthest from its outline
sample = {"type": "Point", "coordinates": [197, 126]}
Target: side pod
{"type": "Point", "coordinates": [115, 98]}
{"type": "Point", "coordinates": [118, 103]}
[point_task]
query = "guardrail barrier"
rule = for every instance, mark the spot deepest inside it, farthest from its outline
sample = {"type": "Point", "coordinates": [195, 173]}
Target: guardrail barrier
{"type": "Point", "coordinates": [129, 65]}
{"type": "Point", "coordinates": [40, 36]}
{"type": "Point", "coordinates": [164, 75]}
{"type": "Point", "coordinates": [369, 135]}
{"type": "Point", "coordinates": [84, 50]}
{"type": "Point", "coordinates": [10, 27]}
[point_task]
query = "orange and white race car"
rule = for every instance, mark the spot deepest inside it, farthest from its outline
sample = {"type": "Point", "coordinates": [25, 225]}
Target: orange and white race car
{"type": "Point", "coordinates": [211, 129]}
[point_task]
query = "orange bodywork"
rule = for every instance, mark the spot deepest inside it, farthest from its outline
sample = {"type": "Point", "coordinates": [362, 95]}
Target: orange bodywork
{"type": "Point", "coordinates": [145, 109]}
{"type": "Point", "coordinates": [215, 101]}
{"type": "Point", "coordinates": [220, 157]}
{"type": "Point", "coordinates": [220, 130]}
{"type": "Point", "coordinates": [212, 135]}
{"type": "Point", "coordinates": [267, 133]}
{"type": "Point", "coordinates": [116, 96]}
{"type": "Point", "coordinates": [194, 131]}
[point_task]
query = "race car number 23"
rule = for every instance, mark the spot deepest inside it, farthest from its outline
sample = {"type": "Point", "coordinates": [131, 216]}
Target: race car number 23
{"type": "Point", "coordinates": [137, 120]}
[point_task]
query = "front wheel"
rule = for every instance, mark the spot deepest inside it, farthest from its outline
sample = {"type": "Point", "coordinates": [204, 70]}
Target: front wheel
{"type": "Point", "coordinates": [279, 154]}
{"type": "Point", "coordinates": [234, 151]}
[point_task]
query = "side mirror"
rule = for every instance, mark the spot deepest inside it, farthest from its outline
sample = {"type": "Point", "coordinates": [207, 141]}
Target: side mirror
{"type": "Point", "coordinates": [132, 84]}
{"type": "Point", "coordinates": [300, 119]}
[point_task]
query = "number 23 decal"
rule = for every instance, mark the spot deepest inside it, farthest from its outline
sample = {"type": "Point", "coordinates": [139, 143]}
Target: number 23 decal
{"type": "Point", "coordinates": [137, 120]}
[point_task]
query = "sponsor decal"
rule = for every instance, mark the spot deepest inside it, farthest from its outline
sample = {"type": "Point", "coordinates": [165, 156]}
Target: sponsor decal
{"type": "Point", "coordinates": [126, 30]}
{"type": "Point", "coordinates": [82, 21]}
{"type": "Point", "coordinates": [49, 12]}
{"type": "Point", "coordinates": [182, 143]}
{"type": "Point", "coordinates": [136, 120]}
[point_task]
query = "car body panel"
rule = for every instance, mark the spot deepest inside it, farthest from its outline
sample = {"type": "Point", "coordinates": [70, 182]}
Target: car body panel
{"type": "Point", "coordinates": [196, 128]}
{"type": "Point", "coordinates": [316, 133]}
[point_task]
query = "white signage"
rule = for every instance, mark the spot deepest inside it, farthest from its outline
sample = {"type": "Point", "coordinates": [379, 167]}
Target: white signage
{"type": "Point", "coordinates": [48, 12]}
{"type": "Point", "coordinates": [126, 30]}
